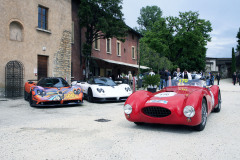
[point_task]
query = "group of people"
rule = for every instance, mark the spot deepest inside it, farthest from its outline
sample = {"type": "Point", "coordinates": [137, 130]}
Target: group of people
{"type": "Point", "coordinates": [166, 75]}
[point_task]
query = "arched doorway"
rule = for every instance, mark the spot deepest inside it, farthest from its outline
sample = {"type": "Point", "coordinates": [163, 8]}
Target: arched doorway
{"type": "Point", "coordinates": [14, 79]}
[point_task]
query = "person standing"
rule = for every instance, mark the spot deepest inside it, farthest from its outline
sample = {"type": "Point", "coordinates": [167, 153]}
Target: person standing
{"type": "Point", "coordinates": [238, 78]}
{"type": "Point", "coordinates": [186, 75]}
{"type": "Point", "coordinates": [218, 77]}
{"type": "Point", "coordinates": [130, 78]}
{"type": "Point", "coordinates": [151, 73]}
{"type": "Point", "coordinates": [166, 76]}
{"type": "Point", "coordinates": [162, 79]}
{"type": "Point", "coordinates": [234, 77]}
{"type": "Point", "coordinates": [177, 74]}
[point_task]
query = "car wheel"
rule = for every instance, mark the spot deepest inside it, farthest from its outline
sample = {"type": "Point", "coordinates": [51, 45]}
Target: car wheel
{"type": "Point", "coordinates": [139, 123]}
{"type": "Point", "coordinates": [26, 96]}
{"type": "Point", "coordinates": [218, 107]}
{"type": "Point", "coordinates": [202, 125]}
{"type": "Point", "coordinates": [31, 101]}
{"type": "Point", "coordinates": [90, 95]}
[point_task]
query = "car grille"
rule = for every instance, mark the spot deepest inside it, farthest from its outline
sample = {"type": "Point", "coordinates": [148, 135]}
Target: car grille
{"type": "Point", "coordinates": [50, 102]}
{"type": "Point", "coordinates": [156, 111]}
{"type": "Point", "coordinates": [71, 101]}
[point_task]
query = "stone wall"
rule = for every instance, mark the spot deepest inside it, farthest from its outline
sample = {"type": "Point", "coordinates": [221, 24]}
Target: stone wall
{"type": "Point", "coordinates": [62, 58]}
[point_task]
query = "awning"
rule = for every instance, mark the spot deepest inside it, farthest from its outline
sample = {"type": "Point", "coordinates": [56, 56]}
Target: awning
{"type": "Point", "coordinates": [122, 63]}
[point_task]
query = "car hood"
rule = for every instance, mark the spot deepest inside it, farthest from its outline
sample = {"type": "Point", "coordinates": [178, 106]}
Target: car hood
{"type": "Point", "coordinates": [171, 97]}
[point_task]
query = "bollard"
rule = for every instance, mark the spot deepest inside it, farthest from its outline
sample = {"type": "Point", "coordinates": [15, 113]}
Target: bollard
{"type": "Point", "coordinates": [134, 84]}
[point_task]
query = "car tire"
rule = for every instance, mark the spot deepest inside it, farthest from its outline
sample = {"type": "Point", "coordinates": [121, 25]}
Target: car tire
{"type": "Point", "coordinates": [26, 96]}
{"type": "Point", "coordinates": [218, 107]}
{"type": "Point", "coordinates": [31, 101]}
{"type": "Point", "coordinates": [90, 96]}
{"type": "Point", "coordinates": [139, 123]}
{"type": "Point", "coordinates": [202, 125]}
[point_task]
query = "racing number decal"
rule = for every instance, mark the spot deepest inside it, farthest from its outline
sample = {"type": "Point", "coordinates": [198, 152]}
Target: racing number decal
{"type": "Point", "coordinates": [182, 81]}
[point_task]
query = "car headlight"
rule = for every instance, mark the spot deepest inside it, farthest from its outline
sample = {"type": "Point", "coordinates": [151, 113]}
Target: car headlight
{"type": "Point", "coordinates": [75, 91]}
{"type": "Point", "coordinates": [43, 93]}
{"type": "Point", "coordinates": [38, 92]}
{"type": "Point", "coordinates": [127, 109]}
{"type": "Point", "coordinates": [127, 89]}
{"type": "Point", "coordinates": [78, 91]}
{"type": "Point", "coordinates": [189, 111]}
{"type": "Point", "coordinates": [100, 90]}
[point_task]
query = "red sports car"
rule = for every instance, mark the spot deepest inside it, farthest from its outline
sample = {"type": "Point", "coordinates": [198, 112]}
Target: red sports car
{"type": "Point", "coordinates": [52, 91]}
{"type": "Point", "coordinates": [184, 102]}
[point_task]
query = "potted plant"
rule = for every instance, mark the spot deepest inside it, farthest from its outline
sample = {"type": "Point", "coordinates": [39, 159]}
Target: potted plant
{"type": "Point", "coordinates": [151, 82]}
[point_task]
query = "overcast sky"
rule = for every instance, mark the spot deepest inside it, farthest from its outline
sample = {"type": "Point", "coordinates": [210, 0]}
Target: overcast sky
{"type": "Point", "coordinates": [224, 16]}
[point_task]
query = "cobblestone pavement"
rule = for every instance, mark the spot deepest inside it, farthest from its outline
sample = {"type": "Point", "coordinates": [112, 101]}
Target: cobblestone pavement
{"type": "Point", "coordinates": [100, 131]}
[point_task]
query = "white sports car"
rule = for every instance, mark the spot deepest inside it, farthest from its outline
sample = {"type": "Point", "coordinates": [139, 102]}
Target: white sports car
{"type": "Point", "coordinates": [104, 89]}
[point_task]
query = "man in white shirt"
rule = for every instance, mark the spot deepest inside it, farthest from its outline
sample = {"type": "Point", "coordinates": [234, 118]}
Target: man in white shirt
{"type": "Point", "coordinates": [151, 73]}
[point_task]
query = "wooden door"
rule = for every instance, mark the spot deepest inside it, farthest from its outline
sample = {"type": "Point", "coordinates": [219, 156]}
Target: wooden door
{"type": "Point", "coordinates": [42, 66]}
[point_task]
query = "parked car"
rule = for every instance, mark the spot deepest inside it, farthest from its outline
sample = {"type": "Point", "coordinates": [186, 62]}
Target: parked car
{"type": "Point", "coordinates": [52, 91]}
{"type": "Point", "coordinates": [102, 89]}
{"type": "Point", "coordinates": [184, 102]}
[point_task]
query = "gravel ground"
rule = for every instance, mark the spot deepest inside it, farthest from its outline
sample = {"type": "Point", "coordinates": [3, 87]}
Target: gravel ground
{"type": "Point", "coordinates": [73, 133]}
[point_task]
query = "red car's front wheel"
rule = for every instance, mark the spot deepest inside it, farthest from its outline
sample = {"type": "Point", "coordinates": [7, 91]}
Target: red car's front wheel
{"type": "Point", "coordinates": [202, 125]}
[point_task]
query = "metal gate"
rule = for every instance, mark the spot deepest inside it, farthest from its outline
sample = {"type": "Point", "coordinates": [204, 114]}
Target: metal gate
{"type": "Point", "coordinates": [14, 79]}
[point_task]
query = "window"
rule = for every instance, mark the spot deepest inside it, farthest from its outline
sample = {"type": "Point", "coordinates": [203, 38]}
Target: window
{"type": "Point", "coordinates": [133, 52]}
{"type": "Point", "coordinates": [97, 44]}
{"type": "Point", "coordinates": [118, 48]}
{"type": "Point", "coordinates": [108, 45]}
{"type": "Point", "coordinates": [42, 17]}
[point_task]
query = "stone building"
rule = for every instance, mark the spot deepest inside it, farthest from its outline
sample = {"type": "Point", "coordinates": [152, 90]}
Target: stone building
{"type": "Point", "coordinates": [221, 65]}
{"type": "Point", "coordinates": [35, 41]}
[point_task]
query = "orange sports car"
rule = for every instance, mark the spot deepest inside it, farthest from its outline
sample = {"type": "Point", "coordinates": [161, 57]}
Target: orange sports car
{"type": "Point", "coordinates": [52, 91]}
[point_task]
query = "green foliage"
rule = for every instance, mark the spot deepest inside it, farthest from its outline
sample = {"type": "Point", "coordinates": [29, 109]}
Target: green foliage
{"type": "Point", "coordinates": [148, 16]}
{"type": "Point", "coordinates": [102, 19]}
{"type": "Point", "coordinates": [233, 61]}
{"type": "Point", "coordinates": [191, 37]}
{"type": "Point", "coordinates": [238, 41]}
{"type": "Point", "coordinates": [181, 39]}
{"type": "Point", "coordinates": [149, 80]}
{"type": "Point", "coordinates": [153, 59]}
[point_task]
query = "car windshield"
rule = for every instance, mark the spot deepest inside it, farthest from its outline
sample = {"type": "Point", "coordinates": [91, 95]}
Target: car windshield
{"type": "Point", "coordinates": [186, 82]}
{"type": "Point", "coordinates": [104, 81]}
{"type": "Point", "coordinates": [53, 82]}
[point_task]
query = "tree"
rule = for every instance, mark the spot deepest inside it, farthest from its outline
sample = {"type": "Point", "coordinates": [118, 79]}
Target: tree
{"type": "Point", "coordinates": [238, 41]}
{"type": "Point", "coordinates": [181, 39]}
{"type": "Point", "coordinates": [101, 19]}
{"type": "Point", "coordinates": [238, 50]}
{"type": "Point", "coordinates": [190, 40]}
{"type": "Point", "coordinates": [159, 38]}
{"type": "Point", "coordinates": [148, 16]}
{"type": "Point", "coordinates": [233, 61]}
{"type": "Point", "coordinates": [152, 59]}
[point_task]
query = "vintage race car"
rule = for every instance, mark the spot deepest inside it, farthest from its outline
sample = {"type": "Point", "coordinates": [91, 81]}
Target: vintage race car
{"type": "Point", "coordinates": [183, 102]}
{"type": "Point", "coordinates": [52, 91]}
{"type": "Point", "coordinates": [102, 89]}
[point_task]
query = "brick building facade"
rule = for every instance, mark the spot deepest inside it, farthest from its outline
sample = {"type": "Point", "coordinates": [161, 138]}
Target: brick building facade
{"type": "Point", "coordinates": [110, 57]}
